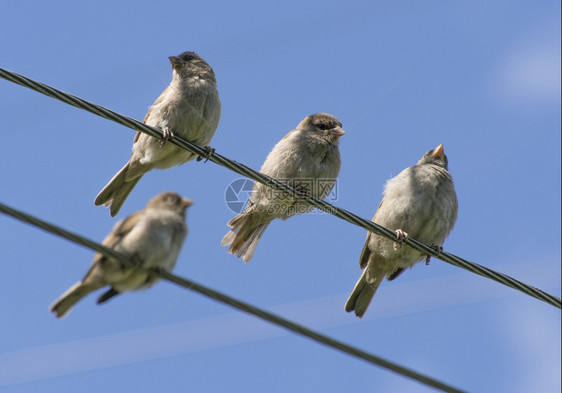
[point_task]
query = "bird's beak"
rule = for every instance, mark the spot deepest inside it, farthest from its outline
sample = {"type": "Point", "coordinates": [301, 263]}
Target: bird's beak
{"type": "Point", "coordinates": [186, 202]}
{"type": "Point", "coordinates": [176, 61]}
{"type": "Point", "coordinates": [337, 132]}
{"type": "Point", "coordinates": [438, 151]}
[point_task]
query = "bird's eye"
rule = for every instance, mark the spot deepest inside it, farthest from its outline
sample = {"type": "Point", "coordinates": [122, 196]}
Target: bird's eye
{"type": "Point", "coordinates": [170, 198]}
{"type": "Point", "coordinates": [324, 126]}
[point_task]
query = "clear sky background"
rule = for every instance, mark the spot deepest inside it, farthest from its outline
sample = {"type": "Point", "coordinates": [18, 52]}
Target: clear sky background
{"type": "Point", "coordinates": [481, 77]}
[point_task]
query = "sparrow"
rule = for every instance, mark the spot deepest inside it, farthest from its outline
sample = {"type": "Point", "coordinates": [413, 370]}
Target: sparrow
{"type": "Point", "coordinates": [151, 237]}
{"type": "Point", "coordinates": [189, 108]}
{"type": "Point", "coordinates": [307, 159]}
{"type": "Point", "coordinates": [419, 202]}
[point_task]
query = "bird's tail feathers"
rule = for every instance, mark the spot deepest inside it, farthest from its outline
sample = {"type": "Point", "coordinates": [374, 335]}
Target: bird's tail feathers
{"type": "Point", "coordinates": [117, 190]}
{"type": "Point", "coordinates": [364, 291]}
{"type": "Point", "coordinates": [244, 236]}
{"type": "Point", "coordinates": [76, 292]}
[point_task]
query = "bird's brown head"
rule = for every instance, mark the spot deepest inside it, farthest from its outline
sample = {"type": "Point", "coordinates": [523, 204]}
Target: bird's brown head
{"type": "Point", "coordinates": [188, 64]}
{"type": "Point", "coordinates": [436, 156]}
{"type": "Point", "coordinates": [170, 201]}
{"type": "Point", "coordinates": [324, 125]}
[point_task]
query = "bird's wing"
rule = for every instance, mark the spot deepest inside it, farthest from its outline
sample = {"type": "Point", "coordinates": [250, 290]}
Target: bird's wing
{"type": "Point", "coordinates": [366, 252]}
{"type": "Point", "coordinates": [121, 229]}
{"type": "Point", "coordinates": [158, 101]}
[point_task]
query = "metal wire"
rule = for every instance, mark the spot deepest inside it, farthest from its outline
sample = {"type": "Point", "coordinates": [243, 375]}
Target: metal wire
{"type": "Point", "coordinates": [242, 306]}
{"type": "Point", "coordinates": [257, 176]}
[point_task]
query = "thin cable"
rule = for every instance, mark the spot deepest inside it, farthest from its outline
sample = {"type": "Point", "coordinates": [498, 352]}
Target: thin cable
{"type": "Point", "coordinates": [268, 181]}
{"type": "Point", "coordinates": [220, 297]}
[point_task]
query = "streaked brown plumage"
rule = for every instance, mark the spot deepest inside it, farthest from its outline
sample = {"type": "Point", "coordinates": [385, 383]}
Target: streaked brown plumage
{"type": "Point", "coordinates": [189, 108]}
{"type": "Point", "coordinates": [307, 158]}
{"type": "Point", "coordinates": [419, 202]}
{"type": "Point", "coordinates": [153, 237]}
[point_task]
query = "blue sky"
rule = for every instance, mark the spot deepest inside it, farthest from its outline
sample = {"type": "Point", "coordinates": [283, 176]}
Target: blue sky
{"type": "Point", "coordinates": [483, 78]}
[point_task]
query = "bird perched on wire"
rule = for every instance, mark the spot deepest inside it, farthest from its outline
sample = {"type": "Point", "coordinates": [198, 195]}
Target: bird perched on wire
{"type": "Point", "coordinates": [189, 108]}
{"type": "Point", "coordinates": [307, 159]}
{"type": "Point", "coordinates": [419, 202]}
{"type": "Point", "coordinates": [151, 237]}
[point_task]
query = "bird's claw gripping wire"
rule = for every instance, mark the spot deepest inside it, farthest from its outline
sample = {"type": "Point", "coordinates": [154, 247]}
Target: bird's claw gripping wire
{"type": "Point", "coordinates": [438, 249]}
{"type": "Point", "coordinates": [209, 151]}
{"type": "Point", "coordinates": [167, 135]}
{"type": "Point", "coordinates": [401, 237]}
